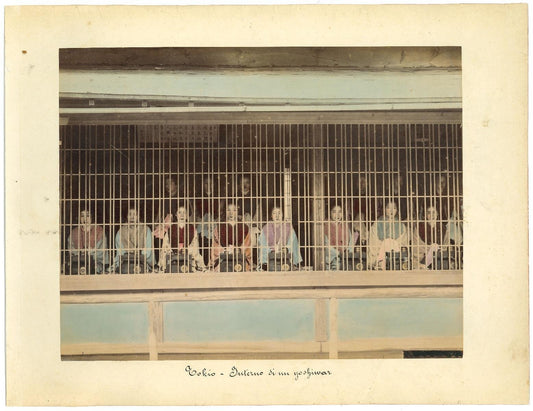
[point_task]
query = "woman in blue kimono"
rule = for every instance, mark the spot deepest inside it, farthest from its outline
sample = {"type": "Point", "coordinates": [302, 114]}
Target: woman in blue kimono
{"type": "Point", "coordinates": [388, 236]}
{"type": "Point", "coordinates": [133, 243]}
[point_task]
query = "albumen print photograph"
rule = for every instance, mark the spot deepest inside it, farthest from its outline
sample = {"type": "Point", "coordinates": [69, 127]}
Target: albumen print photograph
{"type": "Point", "coordinates": [260, 203]}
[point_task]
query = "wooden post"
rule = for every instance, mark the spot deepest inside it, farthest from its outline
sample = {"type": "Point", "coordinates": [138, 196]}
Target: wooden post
{"type": "Point", "coordinates": [333, 328]}
{"type": "Point", "coordinates": [155, 336]}
{"type": "Point", "coordinates": [321, 320]}
{"type": "Point", "coordinates": [318, 192]}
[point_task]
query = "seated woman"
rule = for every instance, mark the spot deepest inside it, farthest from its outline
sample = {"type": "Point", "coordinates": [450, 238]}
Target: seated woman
{"type": "Point", "coordinates": [86, 245]}
{"type": "Point", "coordinates": [389, 239]}
{"type": "Point", "coordinates": [429, 242]}
{"type": "Point", "coordinates": [278, 244]}
{"type": "Point", "coordinates": [179, 252]}
{"type": "Point", "coordinates": [339, 241]}
{"type": "Point", "coordinates": [231, 243]}
{"type": "Point", "coordinates": [133, 243]}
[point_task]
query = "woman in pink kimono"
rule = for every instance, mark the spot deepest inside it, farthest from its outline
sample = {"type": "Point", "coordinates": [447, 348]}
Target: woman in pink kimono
{"type": "Point", "coordinates": [87, 246]}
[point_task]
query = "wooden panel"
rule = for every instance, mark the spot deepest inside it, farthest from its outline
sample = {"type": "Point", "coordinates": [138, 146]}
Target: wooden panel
{"type": "Point", "coordinates": [240, 346]}
{"type": "Point", "coordinates": [103, 348]}
{"type": "Point", "coordinates": [367, 345]}
{"type": "Point", "coordinates": [257, 280]}
{"type": "Point", "coordinates": [221, 295]}
{"type": "Point", "coordinates": [403, 343]}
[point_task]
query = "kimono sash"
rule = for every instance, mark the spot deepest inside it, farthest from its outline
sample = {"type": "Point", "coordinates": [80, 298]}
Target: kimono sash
{"type": "Point", "coordinates": [277, 233]}
{"type": "Point", "coordinates": [181, 236]}
{"type": "Point", "coordinates": [389, 229]}
{"type": "Point", "coordinates": [338, 234]}
{"type": "Point", "coordinates": [133, 237]}
{"type": "Point", "coordinates": [430, 235]}
{"type": "Point", "coordinates": [232, 235]}
{"type": "Point", "coordinates": [83, 240]}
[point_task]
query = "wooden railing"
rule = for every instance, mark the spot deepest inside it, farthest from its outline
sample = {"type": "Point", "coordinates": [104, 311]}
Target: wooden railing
{"type": "Point", "coordinates": [324, 287]}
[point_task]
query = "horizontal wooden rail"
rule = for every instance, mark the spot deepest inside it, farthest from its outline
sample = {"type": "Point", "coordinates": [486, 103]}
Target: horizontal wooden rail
{"type": "Point", "coordinates": [240, 347]}
{"type": "Point", "coordinates": [246, 281]}
{"type": "Point", "coordinates": [385, 116]}
{"type": "Point", "coordinates": [266, 294]}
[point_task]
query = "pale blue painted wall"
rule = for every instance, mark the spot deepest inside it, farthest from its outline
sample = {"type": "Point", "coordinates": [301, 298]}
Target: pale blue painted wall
{"type": "Point", "coordinates": [239, 320]}
{"type": "Point", "coordinates": [400, 317]}
{"type": "Point", "coordinates": [104, 323]}
{"type": "Point", "coordinates": [282, 320]}
{"type": "Point", "coordinates": [328, 86]}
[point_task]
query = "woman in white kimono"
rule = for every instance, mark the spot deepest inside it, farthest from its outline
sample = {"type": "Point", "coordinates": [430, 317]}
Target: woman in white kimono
{"type": "Point", "coordinates": [388, 235]}
{"type": "Point", "coordinates": [339, 239]}
{"type": "Point", "coordinates": [278, 244]}
{"type": "Point", "coordinates": [180, 246]}
{"type": "Point", "coordinates": [133, 243]}
{"type": "Point", "coordinates": [430, 240]}
{"type": "Point", "coordinates": [87, 245]}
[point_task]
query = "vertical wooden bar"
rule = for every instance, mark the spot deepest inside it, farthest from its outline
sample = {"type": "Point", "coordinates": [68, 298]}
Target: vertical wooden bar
{"type": "Point", "coordinates": [318, 193]}
{"type": "Point", "coordinates": [155, 333]}
{"type": "Point", "coordinates": [333, 329]}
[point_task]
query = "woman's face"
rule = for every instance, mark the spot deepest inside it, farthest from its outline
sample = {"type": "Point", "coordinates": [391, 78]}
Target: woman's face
{"type": "Point", "coordinates": [441, 184]}
{"type": "Point", "coordinates": [397, 182]}
{"type": "Point", "coordinates": [85, 218]}
{"type": "Point", "coordinates": [432, 214]}
{"type": "Point", "coordinates": [170, 186]}
{"type": "Point", "coordinates": [362, 184]}
{"type": "Point", "coordinates": [208, 185]}
{"type": "Point", "coordinates": [245, 184]}
{"type": "Point", "coordinates": [391, 210]}
{"type": "Point", "coordinates": [231, 212]}
{"type": "Point", "coordinates": [277, 215]}
{"type": "Point", "coordinates": [132, 216]}
{"type": "Point", "coordinates": [181, 214]}
{"type": "Point", "coordinates": [336, 213]}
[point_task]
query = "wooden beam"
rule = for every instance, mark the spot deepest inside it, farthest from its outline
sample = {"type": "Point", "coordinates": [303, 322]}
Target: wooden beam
{"type": "Point", "coordinates": [225, 295]}
{"type": "Point", "coordinates": [362, 345]}
{"type": "Point", "coordinates": [155, 333]}
{"type": "Point", "coordinates": [240, 346]}
{"type": "Point", "coordinates": [266, 116]}
{"type": "Point", "coordinates": [144, 282]}
{"type": "Point", "coordinates": [265, 58]}
{"type": "Point", "coordinates": [423, 343]}
{"type": "Point", "coordinates": [103, 348]}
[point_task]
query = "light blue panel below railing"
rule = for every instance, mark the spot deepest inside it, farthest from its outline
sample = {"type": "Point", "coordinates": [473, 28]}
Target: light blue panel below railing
{"type": "Point", "coordinates": [400, 317]}
{"type": "Point", "coordinates": [124, 323]}
{"type": "Point", "coordinates": [289, 320]}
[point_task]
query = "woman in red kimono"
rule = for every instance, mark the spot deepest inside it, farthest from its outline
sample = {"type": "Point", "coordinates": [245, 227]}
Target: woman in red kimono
{"type": "Point", "coordinates": [180, 245]}
{"type": "Point", "coordinates": [231, 241]}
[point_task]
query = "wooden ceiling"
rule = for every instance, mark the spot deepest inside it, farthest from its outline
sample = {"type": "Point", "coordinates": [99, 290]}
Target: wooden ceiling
{"type": "Point", "coordinates": [262, 58]}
